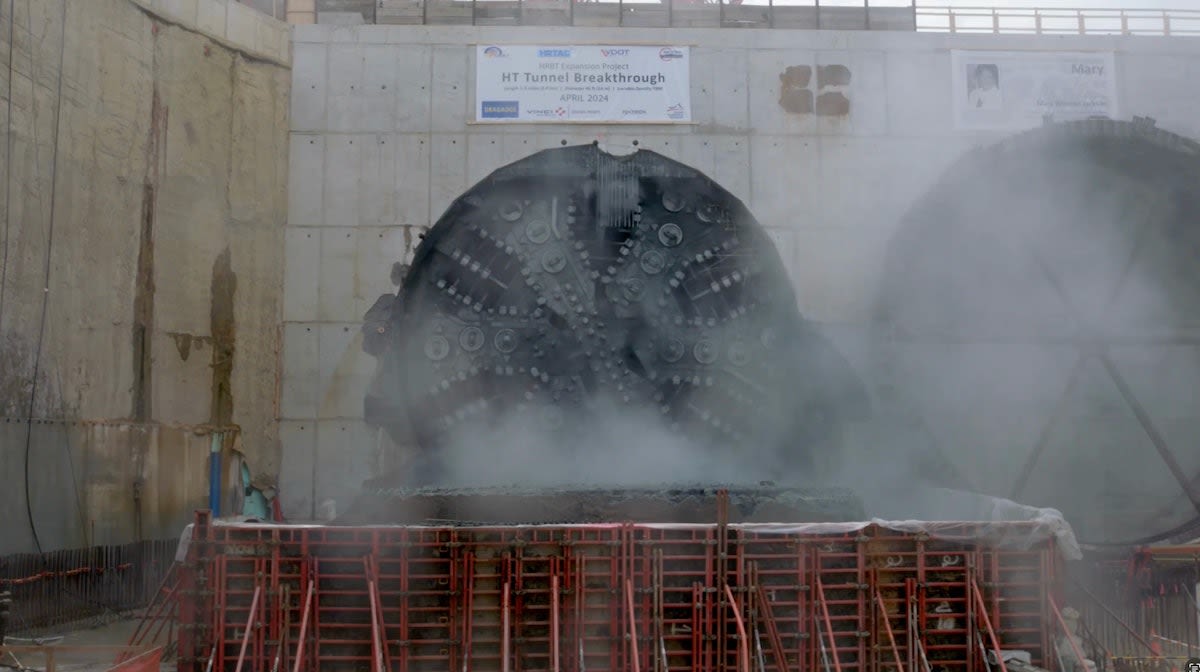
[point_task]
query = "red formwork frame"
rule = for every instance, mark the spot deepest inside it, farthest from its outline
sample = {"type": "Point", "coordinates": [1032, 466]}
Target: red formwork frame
{"type": "Point", "coordinates": [628, 597]}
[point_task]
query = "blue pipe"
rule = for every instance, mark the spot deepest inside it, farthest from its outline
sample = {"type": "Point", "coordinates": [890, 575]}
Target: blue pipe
{"type": "Point", "coordinates": [214, 476]}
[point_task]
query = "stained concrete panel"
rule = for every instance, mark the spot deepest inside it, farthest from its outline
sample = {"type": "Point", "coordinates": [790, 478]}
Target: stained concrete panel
{"type": "Point", "coordinates": [485, 153]}
{"type": "Point", "coordinates": [88, 248]}
{"type": "Point", "coordinates": [702, 85]}
{"type": "Point", "coordinates": [918, 99]}
{"type": "Point", "coordinates": [347, 110]}
{"type": "Point", "coordinates": [381, 81]}
{"type": "Point", "coordinates": [362, 88]}
{"type": "Point", "coordinates": [182, 377]}
{"type": "Point", "coordinates": [345, 370]}
{"type": "Point", "coordinates": [730, 93]}
{"type": "Point", "coordinates": [302, 274]}
{"type": "Point", "coordinates": [257, 268]}
{"type": "Point", "coordinates": [449, 172]}
{"type": "Point", "coordinates": [81, 477]}
{"type": "Point", "coordinates": [866, 92]}
{"type": "Point", "coordinates": [301, 373]}
{"type": "Point", "coordinates": [698, 152]}
{"type": "Point", "coordinates": [731, 154]}
{"type": "Point", "coordinates": [335, 358]}
{"type": "Point", "coordinates": [872, 183]}
{"type": "Point", "coordinates": [343, 166]}
{"type": "Point", "coordinates": [450, 83]}
{"type": "Point", "coordinates": [310, 86]}
{"type": "Point", "coordinates": [766, 114]}
{"type": "Point", "coordinates": [174, 465]}
{"type": "Point", "coordinates": [411, 188]}
{"type": "Point", "coordinates": [784, 186]}
{"type": "Point", "coordinates": [182, 291]}
{"type": "Point", "coordinates": [377, 182]}
{"type": "Point", "coordinates": [377, 250]}
{"type": "Point", "coordinates": [347, 455]}
{"type": "Point", "coordinates": [84, 374]}
{"type": "Point", "coordinates": [297, 471]}
{"type": "Point", "coordinates": [258, 170]}
{"type": "Point", "coordinates": [335, 296]}
{"type": "Point", "coordinates": [306, 179]}
{"type": "Point", "coordinates": [55, 493]}
{"type": "Point", "coordinates": [414, 88]}
{"type": "Point", "coordinates": [517, 146]}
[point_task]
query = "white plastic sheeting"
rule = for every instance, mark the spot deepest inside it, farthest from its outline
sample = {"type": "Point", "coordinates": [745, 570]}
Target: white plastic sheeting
{"type": "Point", "coordinates": [994, 521]}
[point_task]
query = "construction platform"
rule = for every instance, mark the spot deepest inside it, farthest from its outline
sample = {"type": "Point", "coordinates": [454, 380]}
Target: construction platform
{"type": "Point", "coordinates": [674, 503]}
{"type": "Point", "coordinates": [833, 596]}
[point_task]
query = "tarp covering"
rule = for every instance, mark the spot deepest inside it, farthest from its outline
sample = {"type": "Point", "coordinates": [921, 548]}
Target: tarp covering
{"type": "Point", "coordinates": [952, 515]}
{"type": "Point", "coordinates": [997, 522]}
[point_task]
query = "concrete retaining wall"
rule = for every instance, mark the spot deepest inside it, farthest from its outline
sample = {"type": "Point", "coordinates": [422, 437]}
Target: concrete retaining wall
{"type": "Point", "coordinates": [144, 208]}
{"type": "Point", "coordinates": [381, 144]}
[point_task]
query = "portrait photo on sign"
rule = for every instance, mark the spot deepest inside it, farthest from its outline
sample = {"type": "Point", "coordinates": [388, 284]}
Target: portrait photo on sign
{"type": "Point", "coordinates": [983, 86]}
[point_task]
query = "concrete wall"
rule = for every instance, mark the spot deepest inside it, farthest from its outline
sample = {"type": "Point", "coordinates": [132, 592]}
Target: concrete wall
{"type": "Point", "coordinates": [145, 175]}
{"type": "Point", "coordinates": [380, 146]}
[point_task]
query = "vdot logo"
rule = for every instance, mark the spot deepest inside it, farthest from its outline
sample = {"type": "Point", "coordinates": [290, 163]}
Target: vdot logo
{"type": "Point", "coordinates": [609, 53]}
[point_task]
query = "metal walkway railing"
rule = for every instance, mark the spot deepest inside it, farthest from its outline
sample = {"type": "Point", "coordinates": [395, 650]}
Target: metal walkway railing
{"type": "Point", "coordinates": [892, 15]}
{"type": "Point", "coordinates": [1058, 21]}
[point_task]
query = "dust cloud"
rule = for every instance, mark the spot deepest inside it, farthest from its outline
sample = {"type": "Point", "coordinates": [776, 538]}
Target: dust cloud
{"type": "Point", "coordinates": [606, 444]}
{"type": "Point", "coordinates": [1021, 300]}
{"type": "Point", "coordinates": [1023, 262]}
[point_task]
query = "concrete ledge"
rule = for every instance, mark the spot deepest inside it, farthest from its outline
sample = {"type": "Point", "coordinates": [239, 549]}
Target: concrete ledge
{"type": "Point", "coordinates": [231, 23]}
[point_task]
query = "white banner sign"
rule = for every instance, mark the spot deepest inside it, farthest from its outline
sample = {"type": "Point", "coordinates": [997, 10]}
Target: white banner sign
{"type": "Point", "coordinates": [1011, 90]}
{"type": "Point", "coordinates": [588, 84]}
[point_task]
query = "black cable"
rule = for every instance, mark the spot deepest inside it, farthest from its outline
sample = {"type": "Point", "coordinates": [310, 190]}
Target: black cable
{"type": "Point", "coordinates": [37, 357]}
{"type": "Point", "coordinates": [12, 20]}
{"type": "Point", "coordinates": [83, 527]}
{"type": "Point", "coordinates": [1189, 526]}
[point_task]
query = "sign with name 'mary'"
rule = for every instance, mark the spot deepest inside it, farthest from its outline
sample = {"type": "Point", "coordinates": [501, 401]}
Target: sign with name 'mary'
{"type": "Point", "coordinates": [582, 84]}
{"type": "Point", "coordinates": [1013, 90]}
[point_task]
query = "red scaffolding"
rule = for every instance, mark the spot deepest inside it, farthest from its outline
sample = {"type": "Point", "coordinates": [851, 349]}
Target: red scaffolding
{"type": "Point", "coordinates": [628, 597]}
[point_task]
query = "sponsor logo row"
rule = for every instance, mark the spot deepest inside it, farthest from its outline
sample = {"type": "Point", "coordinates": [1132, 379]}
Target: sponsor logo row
{"type": "Point", "coordinates": [511, 109]}
{"type": "Point", "coordinates": [666, 53]}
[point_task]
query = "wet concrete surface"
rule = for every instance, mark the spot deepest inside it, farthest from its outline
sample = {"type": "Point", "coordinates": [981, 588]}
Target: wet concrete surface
{"type": "Point", "coordinates": [111, 633]}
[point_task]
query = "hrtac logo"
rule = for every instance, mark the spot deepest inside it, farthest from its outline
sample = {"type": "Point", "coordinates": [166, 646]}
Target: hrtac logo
{"type": "Point", "coordinates": [554, 53]}
{"type": "Point", "coordinates": [609, 53]}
